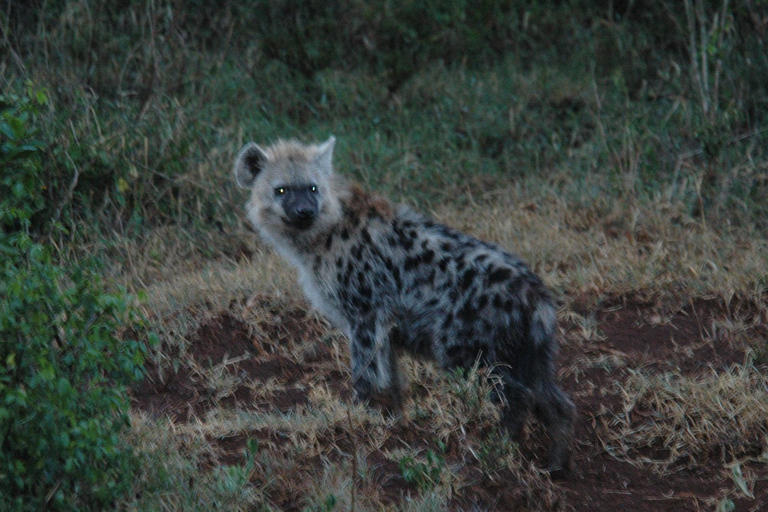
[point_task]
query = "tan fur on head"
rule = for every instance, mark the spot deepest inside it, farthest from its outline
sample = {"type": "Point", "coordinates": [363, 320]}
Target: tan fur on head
{"type": "Point", "coordinates": [286, 164]}
{"type": "Point", "coordinates": [294, 151]}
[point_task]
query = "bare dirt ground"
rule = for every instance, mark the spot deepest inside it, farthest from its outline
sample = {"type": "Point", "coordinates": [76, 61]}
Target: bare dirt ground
{"type": "Point", "coordinates": [275, 359]}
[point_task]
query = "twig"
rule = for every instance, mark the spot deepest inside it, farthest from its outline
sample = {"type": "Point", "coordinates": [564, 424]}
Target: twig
{"type": "Point", "coordinates": [354, 459]}
{"type": "Point", "coordinates": [70, 190]}
{"type": "Point", "coordinates": [19, 62]}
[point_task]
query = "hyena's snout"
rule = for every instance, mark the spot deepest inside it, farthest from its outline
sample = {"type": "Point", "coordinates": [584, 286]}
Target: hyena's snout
{"type": "Point", "coordinates": [301, 206]}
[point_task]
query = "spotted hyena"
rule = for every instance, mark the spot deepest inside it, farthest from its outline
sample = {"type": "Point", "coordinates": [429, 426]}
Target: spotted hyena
{"type": "Point", "coordinates": [392, 279]}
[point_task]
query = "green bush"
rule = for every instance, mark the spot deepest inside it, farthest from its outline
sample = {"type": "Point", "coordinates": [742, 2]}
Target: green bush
{"type": "Point", "coordinates": [63, 364]}
{"type": "Point", "coordinates": [22, 189]}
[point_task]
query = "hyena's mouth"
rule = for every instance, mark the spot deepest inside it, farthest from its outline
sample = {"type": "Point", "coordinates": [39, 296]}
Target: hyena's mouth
{"type": "Point", "coordinates": [299, 224]}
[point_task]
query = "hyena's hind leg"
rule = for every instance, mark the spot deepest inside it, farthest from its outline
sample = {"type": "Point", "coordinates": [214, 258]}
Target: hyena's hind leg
{"type": "Point", "coordinates": [516, 399]}
{"type": "Point", "coordinates": [558, 413]}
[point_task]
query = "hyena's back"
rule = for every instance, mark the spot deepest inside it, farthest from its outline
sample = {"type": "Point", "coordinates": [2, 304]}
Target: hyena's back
{"type": "Point", "coordinates": [457, 298]}
{"type": "Point", "coordinates": [390, 278]}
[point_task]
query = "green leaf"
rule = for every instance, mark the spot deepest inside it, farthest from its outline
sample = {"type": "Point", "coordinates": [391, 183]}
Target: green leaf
{"type": "Point", "coordinates": [17, 126]}
{"type": "Point", "coordinates": [740, 481]}
{"type": "Point", "coordinates": [726, 505]}
{"type": "Point", "coordinates": [5, 129]}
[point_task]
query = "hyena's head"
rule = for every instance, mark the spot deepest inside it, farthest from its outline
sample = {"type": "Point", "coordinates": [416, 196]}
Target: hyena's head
{"type": "Point", "coordinates": [292, 195]}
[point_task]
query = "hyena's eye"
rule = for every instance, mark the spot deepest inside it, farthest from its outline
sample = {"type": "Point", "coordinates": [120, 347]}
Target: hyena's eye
{"type": "Point", "coordinates": [279, 191]}
{"type": "Point", "coordinates": [313, 188]}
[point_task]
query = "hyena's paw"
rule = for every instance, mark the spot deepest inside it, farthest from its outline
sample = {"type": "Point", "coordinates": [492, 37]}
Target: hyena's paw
{"type": "Point", "coordinates": [560, 470]}
{"type": "Point", "coordinates": [363, 391]}
{"type": "Point", "coordinates": [390, 401]}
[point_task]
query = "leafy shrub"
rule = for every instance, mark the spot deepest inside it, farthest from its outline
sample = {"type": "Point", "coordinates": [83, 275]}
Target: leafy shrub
{"type": "Point", "coordinates": [63, 366]}
{"type": "Point", "coordinates": [22, 198]}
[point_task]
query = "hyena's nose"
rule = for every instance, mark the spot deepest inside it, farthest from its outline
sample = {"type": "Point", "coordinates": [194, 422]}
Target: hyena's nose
{"type": "Point", "coordinates": [305, 213]}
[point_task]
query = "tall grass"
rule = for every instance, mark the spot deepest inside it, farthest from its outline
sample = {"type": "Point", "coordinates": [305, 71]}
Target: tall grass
{"type": "Point", "coordinates": [150, 100]}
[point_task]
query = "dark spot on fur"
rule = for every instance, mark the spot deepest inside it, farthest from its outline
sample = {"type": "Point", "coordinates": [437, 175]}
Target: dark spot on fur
{"type": "Point", "coordinates": [366, 236]}
{"type": "Point", "coordinates": [411, 262]}
{"type": "Point", "coordinates": [423, 258]}
{"type": "Point", "coordinates": [345, 234]}
{"type": "Point", "coordinates": [467, 278]}
{"type": "Point", "coordinates": [329, 242]}
{"type": "Point", "coordinates": [443, 264]}
{"type": "Point", "coordinates": [457, 354]}
{"type": "Point", "coordinates": [396, 276]}
{"type": "Point", "coordinates": [467, 312]}
{"type": "Point", "coordinates": [365, 340]}
{"type": "Point", "coordinates": [498, 275]}
{"type": "Point", "coordinates": [482, 301]}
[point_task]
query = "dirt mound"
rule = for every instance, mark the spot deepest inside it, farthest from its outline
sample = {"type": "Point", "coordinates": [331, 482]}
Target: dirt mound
{"type": "Point", "coordinates": [278, 355]}
{"type": "Point", "coordinates": [225, 348]}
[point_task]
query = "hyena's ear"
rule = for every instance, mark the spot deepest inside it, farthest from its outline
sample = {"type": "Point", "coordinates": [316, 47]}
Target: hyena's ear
{"type": "Point", "coordinates": [324, 156]}
{"type": "Point", "coordinates": [250, 162]}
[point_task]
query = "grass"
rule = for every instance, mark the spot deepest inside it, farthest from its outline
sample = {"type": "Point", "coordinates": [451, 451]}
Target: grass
{"type": "Point", "coordinates": [717, 414]}
{"type": "Point", "coordinates": [623, 158]}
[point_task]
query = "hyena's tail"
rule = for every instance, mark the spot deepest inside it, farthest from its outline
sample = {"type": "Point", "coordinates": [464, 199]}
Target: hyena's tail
{"type": "Point", "coordinates": [550, 404]}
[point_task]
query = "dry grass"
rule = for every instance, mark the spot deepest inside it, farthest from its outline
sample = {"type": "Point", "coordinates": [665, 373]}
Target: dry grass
{"type": "Point", "coordinates": [671, 420]}
{"type": "Point", "coordinates": [609, 247]}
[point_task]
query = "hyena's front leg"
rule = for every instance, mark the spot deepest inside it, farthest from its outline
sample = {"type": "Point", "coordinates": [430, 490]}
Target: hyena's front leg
{"type": "Point", "coordinates": [374, 365]}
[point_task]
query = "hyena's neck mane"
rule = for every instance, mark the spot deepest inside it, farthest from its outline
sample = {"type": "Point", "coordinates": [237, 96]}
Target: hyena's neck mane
{"type": "Point", "coordinates": [359, 209]}
{"type": "Point", "coordinates": [360, 206]}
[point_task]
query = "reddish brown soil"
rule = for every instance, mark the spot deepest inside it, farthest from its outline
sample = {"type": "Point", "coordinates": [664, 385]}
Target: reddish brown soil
{"type": "Point", "coordinates": [641, 335]}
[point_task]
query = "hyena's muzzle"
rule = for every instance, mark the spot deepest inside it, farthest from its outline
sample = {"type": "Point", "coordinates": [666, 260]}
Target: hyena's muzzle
{"type": "Point", "coordinates": [300, 205]}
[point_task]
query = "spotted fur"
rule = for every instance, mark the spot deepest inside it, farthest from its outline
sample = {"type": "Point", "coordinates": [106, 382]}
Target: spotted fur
{"type": "Point", "coordinates": [391, 279]}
